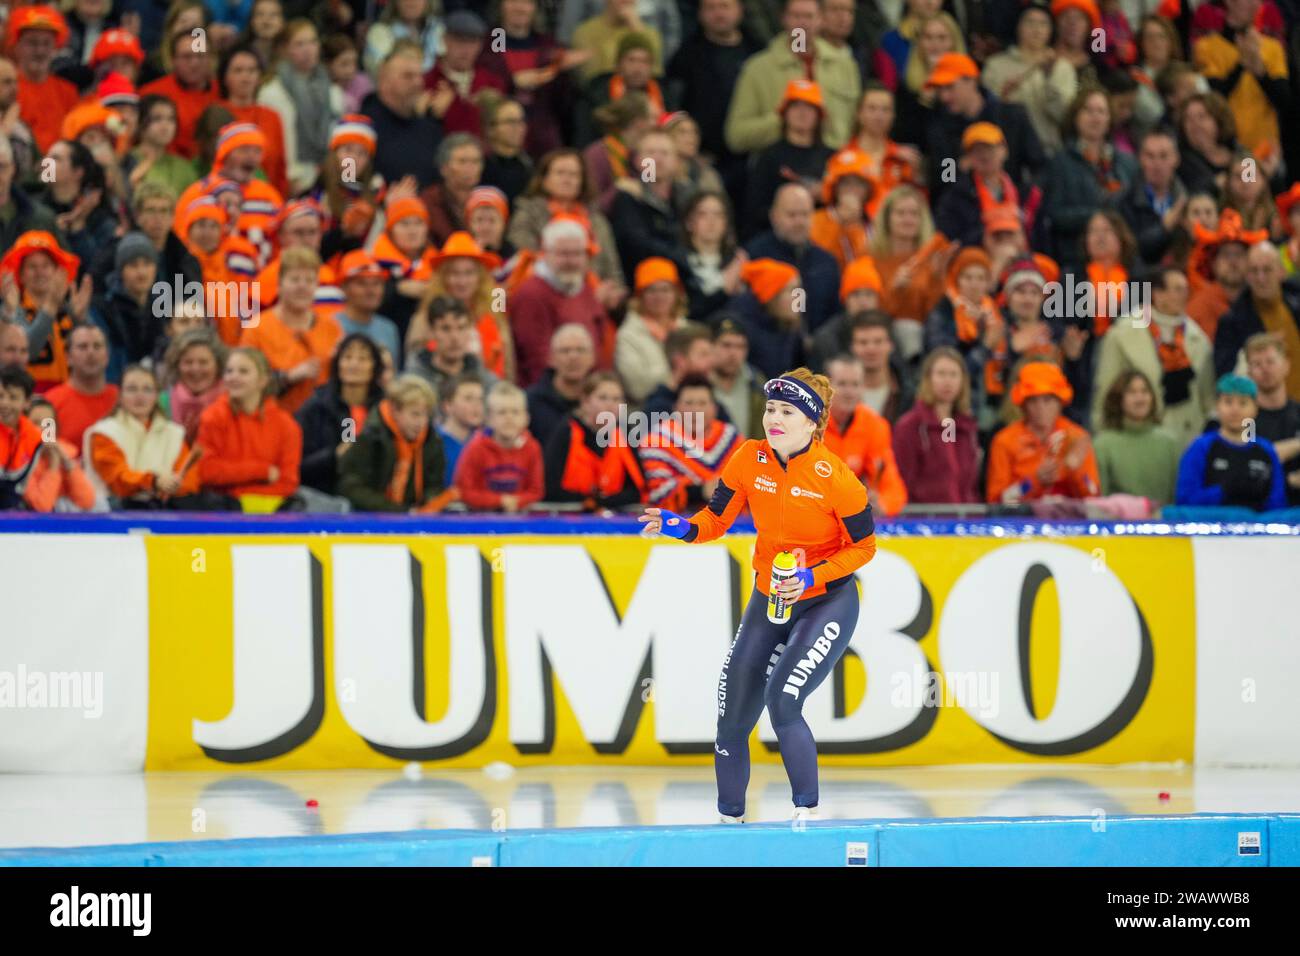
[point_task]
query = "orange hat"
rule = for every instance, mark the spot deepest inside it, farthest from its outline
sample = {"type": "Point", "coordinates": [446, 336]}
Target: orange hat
{"type": "Point", "coordinates": [295, 208]}
{"type": "Point", "coordinates": [802, 91]}
{"type": "Point", "coordinates": [982, 132]}
{"type": "Point", "coordinates": [116, 42]}
{"type": "Point", "coordinates": [967, 257]}
{"type": "Point", "coordinates": [37, 240]}
{"type": "Point", "coordinates": [1049, 267]}
{"type": "Point", "coordinates": [234, 135]}
{"type": "Point", "coordinates": [88, 115]}
{"type": "Point", "coordinates": [354, 128]}
{"type": "Point", "coordinates": [116, 90]}
{"type": "Point", "coordinates": [488, 196]}
{"type": "Point", "coordinates": [1230, 230]}
{"type": "Point", "coordinates": [1041, 378]}
{"type": "Point", "coordinates": [767, 277]}
{"type": "Point", "coordinates": [1002, 219]}
{"type": "Point", "coordinates": [404, 208]}
{"type": "Point", "coordinates": [655, 269]}
{"type": "Point", "coordinates": [1285, 202]}
{"type": "Point", "coordinates": [359, 264]}
{"type": "Point", "coordinates": [1088, 7]}
{"type": "Point", "coordinates": [37, 18]}
{"type": "Point", "coordinates": [461, 245]}
{"type": "Point", "coordinates": [950, 68]}
{"type": "Point", "coordinates": [861, 273]}
{"type": "Point", "coordinates": [847, 162]}
{"type": "Point", "coordinates": [205, 207]}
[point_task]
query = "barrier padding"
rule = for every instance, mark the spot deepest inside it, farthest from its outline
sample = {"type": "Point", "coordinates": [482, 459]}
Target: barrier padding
{"type": "Point", "coordinates": [1186, 840]}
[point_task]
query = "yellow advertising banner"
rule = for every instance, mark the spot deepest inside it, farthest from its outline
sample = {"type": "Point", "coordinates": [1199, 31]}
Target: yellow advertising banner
{"type": "Point", "coordinates": [317, 652]}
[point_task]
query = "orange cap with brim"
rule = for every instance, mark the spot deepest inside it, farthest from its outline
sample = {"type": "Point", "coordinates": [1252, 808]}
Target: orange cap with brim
{"type": "Point", "coordinates": [359, 264]}
{"type": "Point", "coordinates": [845, 163]}
{"type": "Point", "coordinates": [37, 18]}
{"type": "Point", "coordinates": [655, 269]}
{"type": "Point", "coordinates": [767, 277]}
{"type": "Point", "coordinates": [982, 133]}
{"type": "Point", "coordinates": [950, 68]}
{"type": "Point", "coordinates": [861, 273]}
{"type": "Point", "coordinates": [1041, 378]}
{"type": "Point", "coordinates": [404, 208]}
{"type": "Point", "coordinates": [802, 91]}
{"type": "Point", "coordinates": [1087, 7]}
{"type": "Point", "coordinates": [32, 242]}
{"type": "Point", "coordinates": [461, 245]}
{"type": "Point", "coordinates": [88, 115]}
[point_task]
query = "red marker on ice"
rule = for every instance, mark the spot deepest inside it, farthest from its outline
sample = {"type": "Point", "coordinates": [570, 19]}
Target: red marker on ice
{"type": "Point", "coordinates": [312, 804]}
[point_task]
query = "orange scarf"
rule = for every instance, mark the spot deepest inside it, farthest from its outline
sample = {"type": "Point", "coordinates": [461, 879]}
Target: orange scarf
{"type": "Point", "coordinates": [1173, 355]}
{"type": "Point", "coordinates": [968, 330]}
{"type": "Point", "coordinates": [1099, 275]}
{"type": "Point", "coordinates": [1010, 202]}
{"type": "Point", "coordinates": [617, 88]}
{"type": "Point", "coordinates": [386, 252]}
{"type": "Point", "coordinates": [618, 155]}
{"type": "Point", "coordinates": [410, 455]}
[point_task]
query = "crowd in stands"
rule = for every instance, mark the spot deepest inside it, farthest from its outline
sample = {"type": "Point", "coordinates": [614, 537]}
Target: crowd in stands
{"type": "Point", "coordinates": [500, 255]}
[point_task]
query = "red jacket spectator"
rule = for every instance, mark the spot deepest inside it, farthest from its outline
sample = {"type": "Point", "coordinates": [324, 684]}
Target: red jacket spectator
{"type": "Point", "coordinates": [190, 105]}
{"type": "Point", "coordinates": [487, 470]}
{"type": "Point", "coordinates": [938, 462]}
{"type": "Point", "coordinates": [538, 308]}
{"type": "Point", "coordinates": [462, 115]}
{"type": "Point", "coordinates": [239, 450]}
{"type": "Point", "coordinates": [77, 410]}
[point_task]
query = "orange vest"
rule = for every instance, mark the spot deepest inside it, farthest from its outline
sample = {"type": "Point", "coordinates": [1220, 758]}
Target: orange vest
{"type": "Point", "coordinates": [586, 474]}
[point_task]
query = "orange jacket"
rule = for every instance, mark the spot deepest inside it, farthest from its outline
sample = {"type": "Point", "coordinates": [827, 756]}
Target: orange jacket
{"type": "Point", "coordinates": [190, 105]}
{"type": "Point", "coordinates": [239, 449]}
{"type": "Point", "coordinates": [1016, 453]}
{"type": "Point", "coordinates": [815, 505]}
{"type": "Point", "coordinates": [109, 462]}
{"type": "Point", "coordinates": [867, 447]}
{"type": "Point", "coordinates": [285, 347]}
{"type": "Point", "coordinates": [845, 243]}
{"type": "Point", "coordinates": [17, 446]}
{"type": "Point", "coordinates": [47, 484]}
{"type": "Point", "coordinates": [42, 107]}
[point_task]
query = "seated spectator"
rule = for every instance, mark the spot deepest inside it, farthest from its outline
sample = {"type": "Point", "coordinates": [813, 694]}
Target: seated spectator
{"type": "Point", "coordinates": [240, 75]}
{"type": "Point", "coordinates": [840, 227]}
{"type": "Point", "coordinates": [968, 320]}
{"type": "Point", "coordinates": [1154, 202]}
{"type": "Point", "coordinates": [41, 294]}
{"type": "Point", "coordinates": [307, 102]}
{"type": "Point", "coordinates": [1271, 303]}
{"type": "Point", "coordinates": [937, 35]}
{"type": "Point", "coordinates": [602, 34]}
{"type": "Point", "coordinates": [126, 312]}
{"type": "Point", "coordinates": [153, 212]}
{"type": "Point", "coordinates": [690, 352]}
{"type": "Point", "coordinates": [556, 294]}
{"type": "Point", "coordinates": [982, 189]}
{"type": "Point", "coordinates": [588, 460]}
{"type": "Point", "coordinates": [908, 254]}
{"type": "Point", "coordinates": [1029, 335]}
{"type": "Point", "coordinates": [463, 412]}
{"type": "Point", "coordinates": [936, 443]}
{"type": "Point", "coordinates": [1217, 271]}
{"type": "Point", "coordinates": [790, 241]}
{"type": "Point", "coordinates": [860, 289]}
{"type": "Point", "coordinates": [486, 214]}
{"type": "Point", "coordinates": [297, 338]}
{"type": "Point", "coordinates": [190, 84]}
{"type": "Point", "coordinates": [712, 259]}
{"type": "Point", "coordinates": [645, 214]}
{"type": "Point", "coordinates": [87, 396]}
{"type": "Point", "coordinates": [1170, 350]}
{"type": "Point", "coordinates": [456, 80]}
{"type": "Point", "coordinates": [736, 384]}
{"type": "Point", "coordinates": [348, 188]}
{"type": "Point", "coordinates": [889, 163]}
{"type": "Point", "coordinates": [335, 414]}
{"type": "Point", "coordinates": [36, 32]}
{"type": "Point", "coordinates": [1248, 68]}
{"type": "Point", "coordinates": [862, 438]}
{"type": "Point", "coordinates": [19, 213]}
{"type": "Point", "coordinates": [446, 353]}
{"type": "Point", "coordinates": [13, 345]}
{"type": "Point", "coordinates": [764, 307]}
{"type": "Point", "coordinates": [1030, 73]}
{"type": "Point", "coordinates": [1278, 418]}
{"type": "Point", "coordinates": [299, 225]}
{"type": "Point", "coordinates": [1134, 455]}
{"type": "Point", "coordinates": [406, 131]}
{"type": "Point", "coordinates": [694, 172]}
{"type": "Point", "coordinates": [137, 457]}
{"type": "Point", "coordinates": [800, 155]}
{"type": "Point", "coordinates": [885, 386]}
{"type": "Point", "coordinates": [151, 161]}
{"type": "Point", "coordinates": [78, 195]}
{"type": "Point", "coordinates": [1110, 252]}
{"type": "Point", "coordinates": [683, 456]}
{"type": "Point", "coordinates": [556, 394]}
{"type": "Point", "coordinates": [405, 251]}
{"type": "Point", "coordinates": [505, 164]}
{"type": "Point", "coordinates": [192, 365]}
{"type": "Point", "coordinates": [341, 58]}
{"type": "Point", "coordinates": [633, 73]}
{"type": "Point", "coordinates": [417, 22]}
{"type": "Point", "coordinates": [459, 162]}
{"type": "Point", "coordinates": [397, 461]}
{"type": "Point", "coordinates": [1229, 467]}
{"type": "Point", "coordinates": [20, 438]}
{"type": "Point", "coordinates": [1207, 139]}
{"type": "Point", "coordinates": [57, 482]}
{"type": "Point", "coordinates": [1075, 21]}
{"type": "Point", "coordinates": [361, 277]}
{"type": "Point", "coordinates": [1043, 453]}
{"type": "Point", "coordinates": [251, 446]}
{"type": "Point", "coordinates": [501, 467]}
{"type": "Point", "coordinates": [609, 159]}
{"type": "Point", "coordinates": [658, 306]}
{"type": "Point", "coordinates": [463, 271]}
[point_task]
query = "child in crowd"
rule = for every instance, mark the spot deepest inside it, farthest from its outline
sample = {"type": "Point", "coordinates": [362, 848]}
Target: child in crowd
{"type": "Point", "coordinates": [501, 467]}
{"type": "Point", "coordinates": [462, 415]}
{"type": "Point", "coordinates": [397, 462]}
{"type": "Point", "coordinates": [1232, 466]}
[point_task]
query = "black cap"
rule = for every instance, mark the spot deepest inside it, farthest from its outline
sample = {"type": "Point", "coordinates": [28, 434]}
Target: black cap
{"type": "Point", "coordinates": [465, 23]}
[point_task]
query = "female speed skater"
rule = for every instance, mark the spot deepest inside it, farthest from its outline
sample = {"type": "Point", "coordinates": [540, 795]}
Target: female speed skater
{"type": "Point", "coordinates": [807, 503]}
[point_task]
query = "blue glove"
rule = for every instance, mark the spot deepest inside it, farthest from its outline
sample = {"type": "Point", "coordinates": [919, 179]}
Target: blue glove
{"type": "Point", "coordinates": [673, 525]}
{"type": "Point", "coordinates": [806, 576]}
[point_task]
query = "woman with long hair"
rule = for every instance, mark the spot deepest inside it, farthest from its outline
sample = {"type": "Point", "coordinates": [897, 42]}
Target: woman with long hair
{"type": "Point", "coordinates": [888, 162]}
{"type": "Point", "coordinates": [1207, 140]}
{"type": "Point", "coordinates": [936, 442]}
{"type": "Point", "coordinates": [334, 415]}
{"type": "Point", "coordinates": [265, 21]}
{"type": "Point", "coordinates": [192, 365]}
{"type": "Point", "coordinates": [1110, 251]}
{"type": "Point", "coordinates": [713, 258]}
{"type": "Point", "coordinates": [908, 255]}
{"type": "Point", "coordinates": [307, 102]}
{"type": "Point", "coordinates": [1134, 455]}
{"type": "Point", "coordinates": [417, 20]}
{"type": "Point", "coordinates": [348, 187]}
{"type": "Point", "coordinates": [1250, 195]}
{"type": "Point", "coordinates": [917, 103]}
{"type": "Point", "coordinates": [151, 160]}
{"type": "Point", "coordinates": [815, 530]}
{"type": "Point", "coordinates": [1029, 73]}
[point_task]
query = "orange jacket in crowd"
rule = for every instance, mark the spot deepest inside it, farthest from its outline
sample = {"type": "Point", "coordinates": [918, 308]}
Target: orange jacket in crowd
{"type": "Point", "coordinates": [815, 504]}
{"type": "Point", "coordinates": [109, 461]}
{"type": "Point", "coordinates": [867, 447]}
{"type": "Point", "coordinates": [48, 483]}
{"type": "Point", "coordinates": [285, 347]}
{"type": "Point", "coordinates": [190, 105]}
{"type": "Point", "coordinates": [1016, 454]}
{"type": "Point", "coordinates": [268, 121]}
{"type": "Point", "coordinates": [239, 449]}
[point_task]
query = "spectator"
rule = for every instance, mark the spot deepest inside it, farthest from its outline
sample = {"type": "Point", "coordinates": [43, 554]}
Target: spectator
{"type": "Point", "coordinates": [78, 196]}
{"type": "Point", "coordinates": [904, 249]}
{"type": "Point", "coordinates": [609, 158]}
{"type": "Point", "coordinates": [251, 446]}
{"type": "Point", "coordinates": [601, 33]}
{"type": "Point", "coordinates": [899, 42]}
{"type": "Point", "coordinates": [87, 396]}
{"type": "Point", "coordinates": [1271, 303]}
{"type": "Point", "coordinates": [300, 225]}
{"type": "Point", "coordinates": [37, 278]}
{"type": "Point", "coordinates": [13, 345]}
{"type": "Point", "coordinates": [888, 163]}
{"type": "Point", "coordinates": [1110, 252]}
{"type": "Point", "coordinates": [644, 213]}
{"type": "Point", "coordinates": [1134, 455]}
{"type": "Point", "coordinates": [752, 119]}
{"type": "Point", "coordinates": [556, 294]}
{"type": "Point", "coordinates": [918, 102]}
{"type": "Point", "coordinates": [799, 155]}
{"type": "Point", "coordinates": [1031, 74]}
{"type": "Point", "coordinates": [840, 227]}
{"type": "Point", "coordinates": [126, 311]}
{"type": "Point", "coordinates": [297, 338]}
{"type": "Point", "coordinates": [462, 415]}
{"type": "Point", "coordinates": [1219, 263]}
{"type": "Point", "coordinates": [982, 189]}
{"type": "Point", "coordinates": [790, 241]}
{"type": "Point", "coordinates": [137, 457]}
{"type": "Point", "coordinates": [1288, 214]}
{"type": "Point", "coordinates": [1246, 192]}
{"type": "Point", "coordinates": [446, 353]}
{"type": "Point", "coordinates": [634, 72]}
{"type": "Point", "coordinates": [1250, 69]}
{"type": "Point", "coordinates": [193, 364]}
{"type": "Point", "coordinates": [501, 467]}
{"type": "Point", "coordinates": [1278, 418]}
{"type": "Point", "coordinates": [417, 22]}
{"type": "Point", "coordinates": [397, 462]}
{"type": "Point", "coordinates": [151, 161]}
{"type": "Point", "coordinates": [1075, 22]}
{"type": "Point", "coordinates": [695, 172]}
{"type": "Point", "coordinates": [1159, 45]}
{"type": "Point", "coordinates": [713, 260]}
{"type": "Point", "coordinates": [860, 289]}
{"type": "Point", "coordinates": [12, 128]}
{"type": "Point", "coordinates": [19, 213]}
{"type": "Point", "coordinates": [335, 414]}
{"type": "Point", "coordinates": [307, 102]}
{"type": "Point", "coordinates": [362, 279]}
{"type": "Point", "coordinates": [861, 438]}
{"type": "Point", "coordinates": [455, 80]}
{"type": "Point", "coordinates": [487, 211]}
{"type": "Point", "coordinates": [1208, 137]}
{"type": "Point", "coordinates": [153, 210]}
{"type": "Point", "coordinates": [407, 132]}
{"type": "Point", "coordinates": [736, 385]}
{"type": "Point", "coordinates": [764, 307]}
{"type": "Point", "coordinates": [20, 438]}
{"type": "Point", "coordinates": [37, 32]}
{"type": "Point", "coordinates": [684, 454]}
{"type": "Point", "coordinates": [1029, 335]}
{"type": "Point", "coordinates": [57, 482]}
{"type": "Point", "coordinates": [405, 251]}
{"type": "Point", "coordinates": [968, 321]}
{"type": "Point", "coordinates": [341, 58]}
{"type": "Point", "coordinates": [1153, 205]}
{"type": "Point", "coordinates": [557, 392]}
{"type": "Point", "coordinates": [460, 166]}
{"type": "Point", "coordinates": [1043, 453]}
{"type": "Point", "coordinates": [1228, 467]}
{"type": "Point", "coordinates": [885, 389]}
{"type": "Point", "coordinates": [936, 443]}
{"type": "Point", "coordinates": [505, 165]}
{"type": "Point", "coordinates": [241, 74]}
{"type": "Point", "coordinates": [657, 308]}
{"type": "Point", "coordinates": [265, 23]}
{"type": "Point", "coordinates": [589, 461]}
{"type": "Point", "coordinates": [463, 271]}
{"type": "Point", "coordinates": [690, 352]}
{"type": "Point", "coordinates": [190, 85]}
